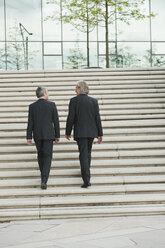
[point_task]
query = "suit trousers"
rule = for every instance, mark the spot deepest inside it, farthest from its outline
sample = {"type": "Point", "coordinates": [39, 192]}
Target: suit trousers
{"type": "Point", "coordinates": [44, 150]}
{"type": "Point", "coordinates": [85, 148]}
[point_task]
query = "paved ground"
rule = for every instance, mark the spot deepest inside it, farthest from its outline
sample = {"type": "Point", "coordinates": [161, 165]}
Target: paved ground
{"type": "Point", "coordinates": [114, 232]}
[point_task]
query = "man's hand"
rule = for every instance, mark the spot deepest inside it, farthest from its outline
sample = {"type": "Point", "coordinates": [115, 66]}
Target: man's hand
{"type": "Point", "coordinates": [100, 139]}
{"type": "Point", "coordinates": [68, 137]}
{"type": "Point", "coordinates": [29, 142]}
{"type": "Point", "coordinates": [56, 141]}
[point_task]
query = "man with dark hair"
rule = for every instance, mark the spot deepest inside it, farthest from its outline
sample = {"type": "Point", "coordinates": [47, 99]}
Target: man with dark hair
{"type": "Point", "coordinates": [84, 116]}
{"type": "Point", "coordinates": [43, 123]}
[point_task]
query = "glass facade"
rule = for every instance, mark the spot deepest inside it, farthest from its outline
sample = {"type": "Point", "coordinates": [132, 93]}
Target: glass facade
{"type": "Point", "coordinates": [30, 40]}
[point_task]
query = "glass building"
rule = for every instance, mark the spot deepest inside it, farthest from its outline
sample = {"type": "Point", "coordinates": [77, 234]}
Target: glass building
{"type": "Point", "coordinates": [30, 40]}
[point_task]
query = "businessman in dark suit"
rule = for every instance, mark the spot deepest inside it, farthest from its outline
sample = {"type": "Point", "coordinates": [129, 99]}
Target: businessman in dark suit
{"type": "Point", "coordinates": [43, 123]}
{"type": "Point", "coordinates": [85, 118]}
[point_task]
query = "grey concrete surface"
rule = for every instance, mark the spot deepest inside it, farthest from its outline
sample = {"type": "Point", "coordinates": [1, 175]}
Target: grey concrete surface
{"type": "Point", "coordinates": [111, 232]}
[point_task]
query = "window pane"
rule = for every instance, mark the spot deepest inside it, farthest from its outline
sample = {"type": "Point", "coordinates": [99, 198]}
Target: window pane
{"type": "Point", "coordinates": [2, 56]}
{"type": "Point", "coordinates": [52, 62]}
{"type": "Point", "coordinates": [51, 26]}
{"type": "Point", "coordinates": [28, 13]}
{"type": "Point", "coordinates": [75, 55]}
{"type": "Point", "coordinates": [158, 7]}
{"type": "Point", "coordinates": [70, 33]}
{"type": "Point", "coordinates": [112, 54]}
{"type": "Point", "coordinates": [93, 35]}
{"type": "Point", "coordinates": [52, 48]}
{"type": "Point", "coordinates": [101, 32]}
{"type": "Point", "coordinates": [2, 31]}
{"type": "Point", "coordinates": [93, 54]}
{"type": "Point", "coordinates": [35, 55]}
{"type": "Point", "coordinates": [102, 47]}
{"type": "Point", "coordinates": [137, 30]}
{"type": "Point", "coordinates": [133, 54]}
{"type": "Point", "coordinates": [159, 47]}
{"type": "Point", "coordinates": [112, 48]}
{"type": "Point", "coordinates": [112, 32]}
{"type": "Point", "coordinates": [102, 61]}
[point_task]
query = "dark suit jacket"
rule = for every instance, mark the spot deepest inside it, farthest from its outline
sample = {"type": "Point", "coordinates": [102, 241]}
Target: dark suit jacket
{"type": "Point", "coordinates": [84, 116]}
{"type": "Point", "coordinates": [43, 121]}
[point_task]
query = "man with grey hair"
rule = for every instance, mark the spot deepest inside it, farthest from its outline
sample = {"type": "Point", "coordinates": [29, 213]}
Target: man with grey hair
{"type": "Point", "coordinates": [85, 118]}
{"type": "Point", "coordinates": [43, 123]}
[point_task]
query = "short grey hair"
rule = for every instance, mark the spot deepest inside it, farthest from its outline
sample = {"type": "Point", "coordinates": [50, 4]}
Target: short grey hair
{"type": "Point", "coordinates": [83, 86]}
{"type": "Point", "coordinates": [40, 91]}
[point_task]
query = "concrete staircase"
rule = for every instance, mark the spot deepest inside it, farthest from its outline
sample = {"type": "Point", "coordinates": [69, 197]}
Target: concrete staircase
{"type": "Point", "coordinates": [128, 169]}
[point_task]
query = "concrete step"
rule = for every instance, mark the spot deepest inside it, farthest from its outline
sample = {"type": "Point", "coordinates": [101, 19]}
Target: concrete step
{"type": "Point", "coordinates": [150, 153]}
{"type": "Point", "coordinates": [91, 83]}
{"type": "Point", "coordinates": [21, 97]}
{"type": "Point", "coordinates": [56, 173]}
{"type": "Point", "coordinates": [104, 118]}
{"type": "Point", "coordinates": [25, 72]}
{"type": "Point", "coordinates": [105, 124]}
{"type": "Point", "coordinates": [70, 147]}
{"type": "Point", "coordinates": [81, 212]}
{"type": "Point", "coordinates": [111, 132]}
{"type": "Point", "coordinates": [82, 201]}
{"type": "Point", "coordinates": [95, 91]}
{"type": "Point", "coordinates": [103, 87]}
{"type": "Point", "coordinates": [51, 88]}
{"type": "Point", "coordinates": [112, 104]}
{"type": "Point", "coordinates": [107, 112]}
{"type": "Point", "coordinates": [77, 181]}
{"type": "Point", "coordinates": [71, 191]}
{"type": "Point", "coordinates": [31, 87]}
{"type": "Point", "coordinates": [82, 72]}
{"type": "Point", "coordinates": [107, 117]}
{"type": "Point", "coordinates": [127, 169]}
{"type": "Point", "coordinates": [95, 163]}
{"type": "Point", "coordinates": [7, 108]}
{"type": "Point", "coordinates": [89, 77]}
{"type": "Point", "coordinates": [106, 140]}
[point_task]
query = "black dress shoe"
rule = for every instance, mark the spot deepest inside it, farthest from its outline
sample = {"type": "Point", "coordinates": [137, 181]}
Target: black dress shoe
{"type": "Point", "coordinates": [43, 185]}
{"type": "Point", "coordinates": [85, 185]}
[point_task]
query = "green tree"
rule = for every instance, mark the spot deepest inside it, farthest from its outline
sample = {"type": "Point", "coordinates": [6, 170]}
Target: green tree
{"type": "Point", "coordinates": [159, 60]}
{"type": "Point", "coordinates": [78, 13]}
{"type": "Point", "coordinates": [86, 14]}
{"type": "Point", "coordinates": [14, 56]}
{"type": "Point", "coordinates": [111, 10]}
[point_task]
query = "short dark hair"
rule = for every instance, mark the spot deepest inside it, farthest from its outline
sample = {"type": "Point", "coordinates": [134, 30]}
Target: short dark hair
{"type": "Point", "coordinates": [40, 91]}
